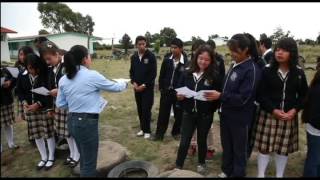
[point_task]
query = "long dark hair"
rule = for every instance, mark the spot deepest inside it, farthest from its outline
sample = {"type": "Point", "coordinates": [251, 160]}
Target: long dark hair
{"type": "Point", "coordinates": [313, 83]}
{"type": "Point", "coordinates": [290, 45]}
{"type": "Point", "coordinates": [212, 72]}
{"type": "Point", "coordinates": [243, 41]}
{"type": "Point", "coordinates": [25, 50]}
{"type": "Point", "coordinates": [36, 63]}
{"type": "Point", "coordinates": [73, 59]}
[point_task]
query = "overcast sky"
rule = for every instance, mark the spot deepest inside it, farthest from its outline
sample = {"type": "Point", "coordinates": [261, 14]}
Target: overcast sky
{"type": "Point", "coordinates": [188, 19]}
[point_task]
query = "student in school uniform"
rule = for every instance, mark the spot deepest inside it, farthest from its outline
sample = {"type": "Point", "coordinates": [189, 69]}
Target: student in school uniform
{"type": "Point", "coordinates": [198, 114]}
{"type": "Point", "coordinates": [265, 47]}
{"type": "Point", "coordinates": [237, 105]}
{"type": "Point", "coordinates": [40, 127]}
{"type": "Point", "coordinates": [79, 92]}
{"type": "Point", "coordinates": [143, 72]}
{"type": "Point", "coordinates": [171, 69]}
{"type": "Point", "coordinates": [54, 57]}
{"type": "Point", "coordinates": [311, 118]}
{"type": "Point", "coordinates": [281, 97]}
{"type": "Point", "coordinates": [20, 64]}
{"type": "Point", "coordinates": [6, 110]}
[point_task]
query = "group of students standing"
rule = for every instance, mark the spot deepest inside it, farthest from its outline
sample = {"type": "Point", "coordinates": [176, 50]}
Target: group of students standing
{"type": "Point", "coordinates": [257, 100]}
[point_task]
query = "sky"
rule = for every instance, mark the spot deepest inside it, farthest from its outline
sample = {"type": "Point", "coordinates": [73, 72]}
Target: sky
{"type": "Point", "coordinates": [187, 19]}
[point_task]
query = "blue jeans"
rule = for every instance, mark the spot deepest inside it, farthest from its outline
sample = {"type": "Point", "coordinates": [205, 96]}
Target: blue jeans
{"type": "Point", "coordinates": [312, 163]}
{"type": "Point", "coordinates": [84, 129]}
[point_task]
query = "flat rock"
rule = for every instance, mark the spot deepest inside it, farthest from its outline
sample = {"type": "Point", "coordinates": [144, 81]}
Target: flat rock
{"type": "Point", "coordinates": [110, 154]}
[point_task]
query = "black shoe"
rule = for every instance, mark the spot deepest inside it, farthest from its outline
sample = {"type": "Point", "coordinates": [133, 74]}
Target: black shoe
{"type": "Point", "coordinates": [73, 163]}
{"type": "Point", "coordinates": [49, 167]}
{"type": "Point", "coordinates": [157, 138]}
{"type": "Point", "coordinates": [40, 167]}
{"type": "Point", "coordinates": [67, 161]}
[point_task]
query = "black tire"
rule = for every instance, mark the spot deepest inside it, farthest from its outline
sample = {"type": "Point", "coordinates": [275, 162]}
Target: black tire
{"type": "Point", "coordinates": [134, 165]}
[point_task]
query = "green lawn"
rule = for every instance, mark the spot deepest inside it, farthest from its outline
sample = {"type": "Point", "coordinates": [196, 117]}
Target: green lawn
{"type": "Point", "coordinates": [119, 123]}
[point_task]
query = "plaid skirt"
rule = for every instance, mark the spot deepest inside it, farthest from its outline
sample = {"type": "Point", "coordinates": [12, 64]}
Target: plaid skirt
{"type": "Point", "coordinates": [20, 109]}
{"type": "Point", "coordinates": [7, 115]}
{"type": "Point", "coordinates": [60, 123]}
{"type": "Point", "coordinates": [272, 135]}
{"type": "Point", "coordinates": [39, 125]}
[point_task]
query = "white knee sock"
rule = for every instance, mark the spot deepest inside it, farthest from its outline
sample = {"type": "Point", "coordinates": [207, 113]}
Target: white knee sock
{"type": "Point", "coordinates": [9, 135]}
{"type": "Point", "coordinates": [71, 149]}
{"type": "Point", "coordinates": [51, 146]}
{"type": "Point", "coordinates": [281, 162]}
{"type": "Point", "coordinates": [42, 149]}
{"type": "Point", "coordinates": [76, 154]}
{"type": "Point", "coordinates": [263, 161]}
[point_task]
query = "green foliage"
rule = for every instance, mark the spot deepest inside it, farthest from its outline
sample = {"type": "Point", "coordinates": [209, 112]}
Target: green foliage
{"type": "Point", "coordinates": [168, 34]}
{"type": "Point", "coordinates": [126, 42]}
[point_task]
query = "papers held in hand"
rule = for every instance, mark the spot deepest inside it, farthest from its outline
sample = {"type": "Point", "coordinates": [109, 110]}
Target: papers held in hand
{"type": "Point", "coordinates": [41, 90]}
{"type": "Point", "coordinates": [122, 80]}
{"type": "Point", "coordinates": [13, 71]}
{"type": "Point", "coordinates": [185, 91]}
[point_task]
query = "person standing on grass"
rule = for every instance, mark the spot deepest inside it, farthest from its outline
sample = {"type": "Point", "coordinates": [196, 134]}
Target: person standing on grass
{"type": "Point", "coordinates": [311, 118]}
{"type": "Point", "coordinates": [79, 92]}
{"type": "Point", "coordinates": [143, 72]}
{"type": "Point", "coordinates": [198, 114]}
{"type": "Point", "coordinates": [237, 105]}
{"type": "Point", "coordinates": [281, 93]}
{"type": "Point", "coordinates": [40, 127]}
{"type": "Point", "coordinates": [54, 57]}
{"type": "Point", "coordinates": [171, 69]}
{"type": "Point", "coordinates": [6, 110]}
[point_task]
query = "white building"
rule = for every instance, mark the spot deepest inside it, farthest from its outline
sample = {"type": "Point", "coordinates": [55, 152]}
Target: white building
{"type": "Point", "coordinates": [63, 41]}
{"type": "Point", "coordinates": [5, 55]}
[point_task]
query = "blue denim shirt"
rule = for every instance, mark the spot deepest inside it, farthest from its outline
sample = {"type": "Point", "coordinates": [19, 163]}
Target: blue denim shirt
{"type": "Point", "coordinates": [82, 93]}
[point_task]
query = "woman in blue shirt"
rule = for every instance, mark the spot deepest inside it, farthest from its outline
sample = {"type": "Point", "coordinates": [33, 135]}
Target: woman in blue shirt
{"type": "Point", "coordinates": [79, 92]}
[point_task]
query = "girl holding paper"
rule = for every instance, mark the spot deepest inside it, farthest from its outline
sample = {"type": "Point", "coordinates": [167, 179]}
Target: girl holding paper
{"type": "Point", "coordinates": [198, 114]}
{"type": "Point", "coordinates": [54, 57]}
{"type": "Point", "coordinates": [40, 127]}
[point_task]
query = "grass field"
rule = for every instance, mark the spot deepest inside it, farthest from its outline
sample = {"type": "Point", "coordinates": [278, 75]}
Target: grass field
{"type": "Point", "coordinates": [119, 123]}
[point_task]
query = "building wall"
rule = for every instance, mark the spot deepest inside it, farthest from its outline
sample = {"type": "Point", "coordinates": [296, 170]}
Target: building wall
{"type": "Point", "coordinates": [5, 56]}
{"type": "Point", "coordinates": [67, 41]}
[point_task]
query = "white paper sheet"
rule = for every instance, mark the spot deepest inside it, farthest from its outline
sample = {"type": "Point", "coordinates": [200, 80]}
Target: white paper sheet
{"type": "Point", "coordinates": [200, 95]}
{"type": "Point", "coordinates": [13, 71]}
{"type": "Point", "coordinates": [122, 80]}
{"type": "Point", "coordinates": [186, 92]}
{"type": "Point", "coordinates": [102, 104]}
{"type": "Point", "coordinates": [41, 90]}
{"type": "Point", "coordinates": [2, 80]}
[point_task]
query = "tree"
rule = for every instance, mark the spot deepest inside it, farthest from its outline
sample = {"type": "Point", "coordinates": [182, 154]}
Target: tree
{"type": "Point", "coordinates": [149, 38]}
{"type": "Point", "coordinates": [279, 33]}
{"type": "Point", "coordinates": [43, 31]}
{"type": "Point", "coordinates": [194, 38]}
{"type": "Point", "coordinates": [157, 46]}
{"type": "Point", "coordinates": [168, 34]}
{"type": "Point", "coordinates": [155, 37]}
{"type": "Point", "coordinates": [318, 39]}
{"type": "Point", "coordinates": [54, 15]}
{"type": "Point", "coordinates": [59, 17]}
{"type": "Point", "coordinates": [213, 36]}
{"type": "Point", "coordinates": [125, 42]}
{"type": "Point", "coordinates": [309, 42]}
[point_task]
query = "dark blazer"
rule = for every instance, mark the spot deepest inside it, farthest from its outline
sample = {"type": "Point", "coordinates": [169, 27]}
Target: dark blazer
{"type": "Point", "coordinates": [169, 76]}
{"type": "Point", "coordinates": [6, 93]}
{"type": "Point", "coordinates": [144, 71]}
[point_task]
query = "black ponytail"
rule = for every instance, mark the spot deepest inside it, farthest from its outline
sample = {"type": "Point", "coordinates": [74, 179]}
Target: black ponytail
{"type": "Point", "coordinates": [243, 41]}
{"type": "Point", "coordinates": [73, 59]}
{"type": "Point", "coordinates": [253, 47]}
